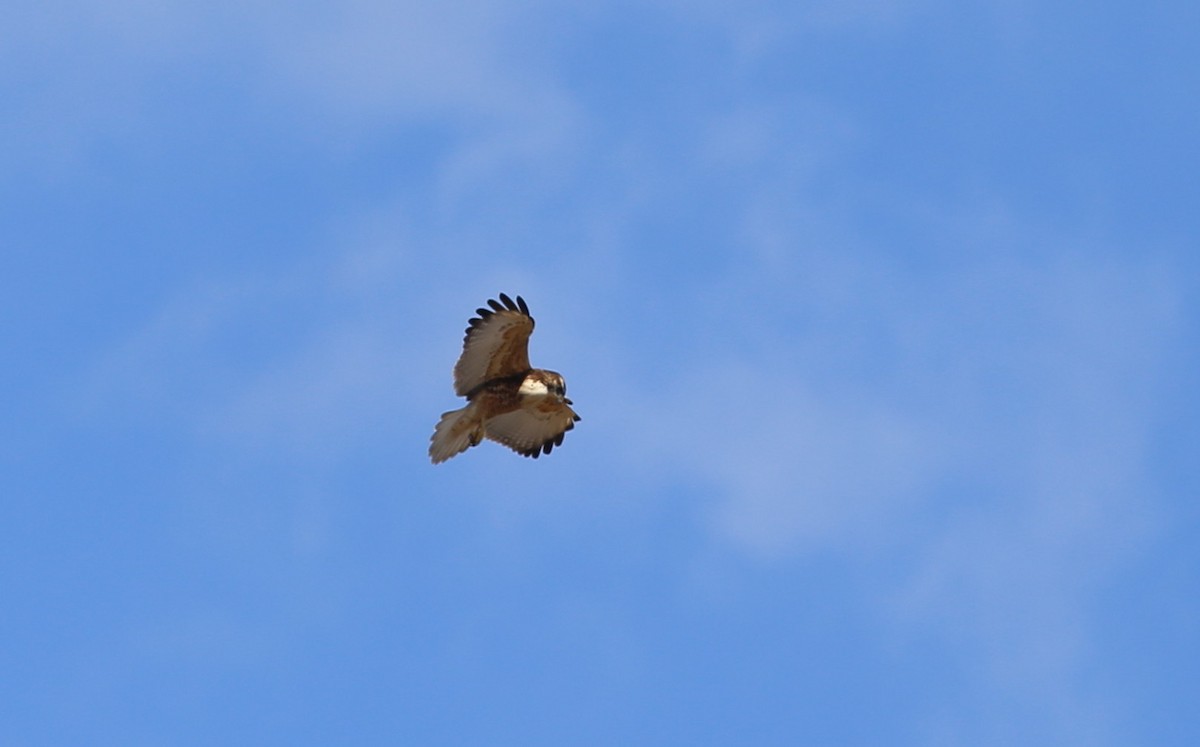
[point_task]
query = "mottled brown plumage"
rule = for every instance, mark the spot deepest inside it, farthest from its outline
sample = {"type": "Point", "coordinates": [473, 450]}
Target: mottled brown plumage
{"type": "Point", "coordinates": [508, 401]}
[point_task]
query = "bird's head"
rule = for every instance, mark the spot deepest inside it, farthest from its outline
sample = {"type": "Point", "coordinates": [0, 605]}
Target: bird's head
{"type": "Point", "coordinates": [539, 383]}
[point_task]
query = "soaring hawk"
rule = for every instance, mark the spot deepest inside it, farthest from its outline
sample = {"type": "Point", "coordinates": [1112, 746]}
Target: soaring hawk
{"type": "Point", "coordinates": [508, 401]}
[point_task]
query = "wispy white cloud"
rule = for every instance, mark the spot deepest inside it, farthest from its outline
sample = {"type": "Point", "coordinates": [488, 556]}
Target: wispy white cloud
{"type": "Point", "coordinates": [92, 76]}
{"type": "Point", "coordinates": [304, 354]}
{"type": "Point", "coordinates": [990, 450]}
{"type": "Point", "coordinates": [380, 61]}
{"type": "Point", "coordinates": [796, 469]}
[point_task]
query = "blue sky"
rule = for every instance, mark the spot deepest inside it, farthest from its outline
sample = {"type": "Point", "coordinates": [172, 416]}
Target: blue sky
{"type": "Point", "coordinates": [880, 314]}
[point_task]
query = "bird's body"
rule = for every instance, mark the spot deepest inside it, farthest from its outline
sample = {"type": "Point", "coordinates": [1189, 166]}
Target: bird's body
{"type": "Point", "coordinates": [508, 401]}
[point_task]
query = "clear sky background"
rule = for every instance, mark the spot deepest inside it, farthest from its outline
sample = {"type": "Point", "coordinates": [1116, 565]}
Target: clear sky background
{"type": "Point", "coordinates": [881, 316]}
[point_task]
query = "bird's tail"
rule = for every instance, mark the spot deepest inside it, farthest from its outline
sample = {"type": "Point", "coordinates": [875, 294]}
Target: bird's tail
{"type": "Point", "coordinates": [457, 431]}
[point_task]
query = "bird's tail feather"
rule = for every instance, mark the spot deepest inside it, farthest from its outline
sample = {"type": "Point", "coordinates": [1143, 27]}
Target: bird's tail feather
{"type": "Point", "coordinates": [457, 431]}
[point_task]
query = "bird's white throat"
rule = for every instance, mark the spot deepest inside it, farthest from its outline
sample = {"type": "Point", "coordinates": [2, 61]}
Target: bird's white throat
{"type": "Point", "coordinates": [533, 386]}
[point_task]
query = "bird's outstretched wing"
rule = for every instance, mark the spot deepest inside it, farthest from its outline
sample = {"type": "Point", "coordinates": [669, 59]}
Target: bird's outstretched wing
{"type": "Point", "coordinates": [534, 429]}
{"type": "Point", "coordinates": [496, 345]}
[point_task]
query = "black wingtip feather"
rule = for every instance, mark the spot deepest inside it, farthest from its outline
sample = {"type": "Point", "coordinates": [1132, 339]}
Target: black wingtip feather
{"type": "Point", "coordinates": [506, 302]}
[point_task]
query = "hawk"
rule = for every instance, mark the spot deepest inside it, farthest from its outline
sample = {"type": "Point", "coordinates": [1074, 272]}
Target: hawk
{"type": "Point", "coordinates": [508, 401]}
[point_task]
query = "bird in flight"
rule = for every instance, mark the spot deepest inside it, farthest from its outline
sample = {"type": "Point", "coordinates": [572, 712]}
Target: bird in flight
{"type": "Point", "coordinates": [508, 401]}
